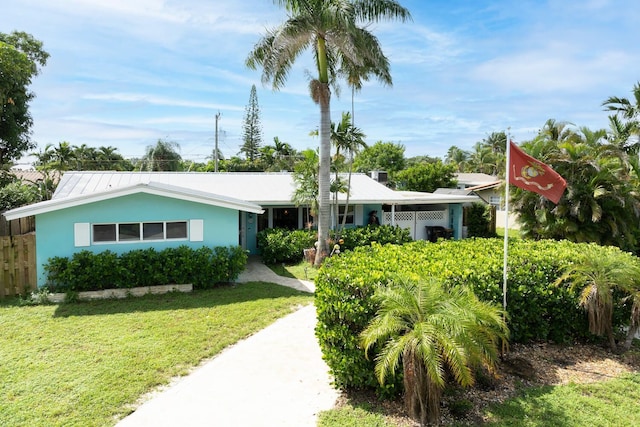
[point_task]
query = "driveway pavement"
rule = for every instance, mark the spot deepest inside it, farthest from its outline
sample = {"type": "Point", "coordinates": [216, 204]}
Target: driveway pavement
{"type": "Point", "coordinates": [274, 378]}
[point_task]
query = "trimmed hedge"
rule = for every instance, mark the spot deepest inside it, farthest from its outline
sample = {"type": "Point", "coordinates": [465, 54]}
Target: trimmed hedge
{"type": "Point", "coordinates": [381, 234]}
{"type": "Point", "coordinates": [282, 245]}
{"type": "Point", "coordinates": [538, 309]}
{"type": "Point", "coordinates": [89, 271]}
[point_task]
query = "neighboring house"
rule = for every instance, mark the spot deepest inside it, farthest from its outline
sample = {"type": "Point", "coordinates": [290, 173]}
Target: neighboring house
{"type": "Point", "coordinates": [122, 211]}
{"type": "Point", "coordinates": [487, 187]}
{"type": "Point", "coordinates": [34, 176]}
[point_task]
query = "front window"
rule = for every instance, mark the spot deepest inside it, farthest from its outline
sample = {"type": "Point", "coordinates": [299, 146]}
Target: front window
{"type": "Point", "coordinates": [127, 232]}
{"type": "Point", "coordinates": [350, 215]}
{"type": "Point", "coordinates": [138, 231]}
{"type": "Point", "coordinates": [285, 218]}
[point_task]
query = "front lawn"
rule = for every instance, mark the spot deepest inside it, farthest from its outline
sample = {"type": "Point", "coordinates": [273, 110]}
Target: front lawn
{"type": "Point", "coordinates": [86, 364]}
{"type": "Point", "coordinates": [574, 386]}
{"type": "Point", "coordinates": [302, 270]}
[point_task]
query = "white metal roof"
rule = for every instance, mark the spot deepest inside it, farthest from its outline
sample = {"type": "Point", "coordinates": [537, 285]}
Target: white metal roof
{"type": "Point", "coordinates": [259, 187]}
{"type": "Point", "coordinates": [244, 190]}
{"type": "Point", "coordinates": [416, 197]}
{"type": "Point", "coordinates": [474, 179]}
{"type": "Point", "coordinates": [165, 190]}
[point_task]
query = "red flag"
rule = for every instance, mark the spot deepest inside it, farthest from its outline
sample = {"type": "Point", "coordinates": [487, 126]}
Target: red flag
{"type": "Point", "coordinates": [533, 175]}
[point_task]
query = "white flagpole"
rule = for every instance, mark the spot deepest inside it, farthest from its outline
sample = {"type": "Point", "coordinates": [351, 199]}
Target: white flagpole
{"type": "Point", "coordinates": [506, 221]}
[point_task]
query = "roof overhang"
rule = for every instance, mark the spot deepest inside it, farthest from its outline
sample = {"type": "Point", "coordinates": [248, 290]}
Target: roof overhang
{"type": "Point", "coordinates": [416, 197]}
{"type": "Point", "coordinates": [153, 188]}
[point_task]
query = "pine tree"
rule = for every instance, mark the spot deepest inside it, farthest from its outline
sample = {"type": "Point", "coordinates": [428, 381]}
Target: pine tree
{"type": "Point", "coordinates": [251, 130]}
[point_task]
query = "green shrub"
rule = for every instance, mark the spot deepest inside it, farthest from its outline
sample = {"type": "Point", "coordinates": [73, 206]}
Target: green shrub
{"type": "Point", "coordinates": [538, 309]}
{"type": "Point", "coordinates": [381, 234]}
{"type": "Point", "coordinates": [282, 245]}
{"type": "Point", "coordinates": [479, 221]}
{"type": "Point", "coordinates": [89, 271]}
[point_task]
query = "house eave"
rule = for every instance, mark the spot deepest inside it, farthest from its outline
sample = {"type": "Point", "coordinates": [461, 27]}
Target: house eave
{"type": "Point", "coordinates": [147, 188]}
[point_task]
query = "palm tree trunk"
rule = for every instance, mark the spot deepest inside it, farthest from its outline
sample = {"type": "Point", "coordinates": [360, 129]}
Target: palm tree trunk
{"type": "Point", "coordinates": [346, 204]}
{"type": "Point", "coordinates": [324, 175]}
{"type": "Point", "coordinates": [422, 395]}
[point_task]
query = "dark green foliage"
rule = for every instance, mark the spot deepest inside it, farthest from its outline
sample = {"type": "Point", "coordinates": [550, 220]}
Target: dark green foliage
{"type": "Point", "coordinates": [282, 245]}
{"type": "Point", "coordinates": [426, 176]}
{"type": "Point", "coordinates": [383, 234]}
{"type": "Point", "coordinates": [89, 271]}
{"type": "Point", "coordinates": [21, 57]}
{"type": "Point", "coordinates": [538, 309]}
{"type": "Point", "coordinates": [17, 194]}
{"type": "Point", "coordinates": [479, 221]}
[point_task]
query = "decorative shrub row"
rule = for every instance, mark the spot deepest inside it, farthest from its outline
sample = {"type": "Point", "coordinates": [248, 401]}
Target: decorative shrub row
{"type": "Point", "coordinates": [281, 245]}
{"type": "Point", "coordinates": [381, 234]}
{"type": "Point", "coordinates": [538, 309]}
{"type": "Point", "coordinates": [89, 271]}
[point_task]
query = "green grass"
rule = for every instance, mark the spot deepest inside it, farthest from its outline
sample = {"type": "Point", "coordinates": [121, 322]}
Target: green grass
{"type": "Point", "coordinates": [513, 232]}
{"type": "Point", "coordinates": [352, 416]}
{"type": "Point", "coordinates": [86, 364]}
{"type": "Point", "coordinates": [611, 403]}
{"type": "Point", "coordinates": [303, 270]}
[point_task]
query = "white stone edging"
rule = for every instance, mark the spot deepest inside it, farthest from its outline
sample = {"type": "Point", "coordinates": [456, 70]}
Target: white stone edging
{"type": "Point", "coordinates": [121, 292]}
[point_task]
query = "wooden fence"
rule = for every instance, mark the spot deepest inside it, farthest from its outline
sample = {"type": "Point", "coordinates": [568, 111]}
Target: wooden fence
{"type": "Point", "coordinates": [17, 264]}
{"type": "Point", "coordinates": [17, 226]}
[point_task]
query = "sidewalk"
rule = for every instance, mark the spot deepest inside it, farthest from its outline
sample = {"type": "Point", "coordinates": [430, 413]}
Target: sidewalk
{"type": "Point", "coordinates": [274, 378]}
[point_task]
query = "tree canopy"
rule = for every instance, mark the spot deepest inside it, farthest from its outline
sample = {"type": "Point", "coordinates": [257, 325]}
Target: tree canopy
{"type": "Point", "coordinates": [21, 57]}
{"type": "Point", "coordinates": [381, 156]}
{"type": "Point", "coordinates": [337, 33]}
{"type": "Point", "coordinates": [426, 176]}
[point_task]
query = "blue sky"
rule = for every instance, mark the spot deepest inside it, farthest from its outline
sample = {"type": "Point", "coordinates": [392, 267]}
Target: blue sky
{"type": "Point", "coordinates": [125, 73]}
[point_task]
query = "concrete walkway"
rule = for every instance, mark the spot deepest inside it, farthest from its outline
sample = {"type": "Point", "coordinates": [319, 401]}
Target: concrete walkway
{"type": "Point", "coordinates": [274, 378]}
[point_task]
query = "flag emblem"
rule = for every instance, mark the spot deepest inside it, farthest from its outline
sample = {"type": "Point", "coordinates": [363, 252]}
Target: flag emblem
{"type": "Point", "coordinates": [532, 175]}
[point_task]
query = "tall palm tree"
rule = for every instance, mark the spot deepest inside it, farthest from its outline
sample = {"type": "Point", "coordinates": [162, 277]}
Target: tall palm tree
{"type": "Point", "coordinates": [163, 156]}
{"type": "Point", "coordinates": [628, 109]}
{"type": "Point", "coordinates": [457, 157]}
{"type": "Point", "coordinates": [337, 33]}
{"type": "Point", "coordinates": [305, 175]}
{"type": "Point", "coordinates": [483, 160]}
{"type": "Point", "coordinates": [432, 330]}
{"type": "Point", "coordinates": [349, 139]}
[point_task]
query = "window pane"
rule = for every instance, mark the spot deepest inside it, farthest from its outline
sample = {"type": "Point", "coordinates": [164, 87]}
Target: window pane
{"type": "Point", "coordinates": [152, 231]}
{"type": "Point", "coordinates": [129, 232]}
{"type": "Point", "coordinates": [349, 214]}
{"type": "Point", "coordinates": [104, 232]}
{"type": "Point", "coordinates": [177, 230]}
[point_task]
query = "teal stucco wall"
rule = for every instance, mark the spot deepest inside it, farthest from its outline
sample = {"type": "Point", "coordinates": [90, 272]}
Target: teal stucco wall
{"type": "Point", "coordinates": [455, 214]}
{"type": "Point", "coordinates": [55, 230]}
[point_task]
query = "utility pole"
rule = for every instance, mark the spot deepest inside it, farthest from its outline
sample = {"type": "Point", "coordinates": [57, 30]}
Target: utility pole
{"type": "Point", "coordinates": [215, 152]}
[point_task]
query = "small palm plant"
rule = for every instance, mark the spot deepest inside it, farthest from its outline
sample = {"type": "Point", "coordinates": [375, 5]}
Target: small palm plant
{"type": "Point", "coordinates": [596, 275]}
{"type": "Point", "coordinates": [432, 331]}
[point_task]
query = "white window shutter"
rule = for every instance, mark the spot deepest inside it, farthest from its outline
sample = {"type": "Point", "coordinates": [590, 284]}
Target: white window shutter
{"type": "Point", "coordinates": [358, 220]}
{"type": "Point", "coordinates": [196, 230]}
{"type": "Point", "coordinates": [82, 234]}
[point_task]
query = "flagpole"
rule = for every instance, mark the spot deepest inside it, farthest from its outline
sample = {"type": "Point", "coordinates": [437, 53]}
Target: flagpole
{"type": "Point", "coordinates": [506, 221]}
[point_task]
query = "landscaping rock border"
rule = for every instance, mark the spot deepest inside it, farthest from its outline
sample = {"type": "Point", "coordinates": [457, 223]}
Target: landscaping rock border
{"type": "Point", "coordinates": [122, 292]}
